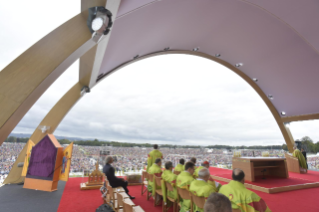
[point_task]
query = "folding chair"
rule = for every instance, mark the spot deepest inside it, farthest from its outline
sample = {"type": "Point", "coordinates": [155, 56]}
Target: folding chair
{"type": "Point", "coordinates": [158, 192]}
{"type": "Point", "coordinates": [105, 195]}
{"type": "Point", "coordinates": [144, 182]}
{"type": "Point", "coordinates": [169, 187]}
{"type": "Point", "coordinates": [113, 196]}
{"type": "Point", "coordinates": [120, 198]}
{"type": "Point", "coordinates": [130, 207]}
{"type": "Point", "coordinates": [150, 178]}
{"type": "Point", "coordinates": [198, 201]}
{"type": "Point", "coordinates": [184, 194]}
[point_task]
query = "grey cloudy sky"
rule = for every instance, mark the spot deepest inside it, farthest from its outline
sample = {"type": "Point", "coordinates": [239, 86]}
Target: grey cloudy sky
{"type": "Point", "coordinates": [174, 99]}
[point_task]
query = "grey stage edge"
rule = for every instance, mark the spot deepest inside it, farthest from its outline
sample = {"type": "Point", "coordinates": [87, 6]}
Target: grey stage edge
{"type": "Point", "coordinates": [14, 198]}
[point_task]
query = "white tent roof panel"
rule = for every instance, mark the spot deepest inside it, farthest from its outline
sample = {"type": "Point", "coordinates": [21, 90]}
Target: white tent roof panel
{"type": "Point", "coordinates": [271, 38]}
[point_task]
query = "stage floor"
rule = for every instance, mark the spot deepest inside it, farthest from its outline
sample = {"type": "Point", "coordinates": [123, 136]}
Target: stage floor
{"type": "Point", "coordinates": [273, 184]}
{"type": "Point", "coordinates": [16, 198]}
{"type": "Point", "coordinates": [74, 199]}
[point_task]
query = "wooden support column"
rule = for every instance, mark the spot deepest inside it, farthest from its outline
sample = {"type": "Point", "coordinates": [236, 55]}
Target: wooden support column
{"type": "Point", "coordinates": [289, 139]}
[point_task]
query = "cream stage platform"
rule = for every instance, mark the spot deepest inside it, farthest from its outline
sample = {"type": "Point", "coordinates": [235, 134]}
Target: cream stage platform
{"type": "Point", "coordinates": [269, 175]}
{"type": "Point", "coordinates": [261, 166]}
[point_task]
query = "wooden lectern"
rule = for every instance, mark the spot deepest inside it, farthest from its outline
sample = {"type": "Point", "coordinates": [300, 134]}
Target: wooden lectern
{"type": "Point", "coordinates": [293, 164]}
{"type": "Point", "coordinates": [44, 166]}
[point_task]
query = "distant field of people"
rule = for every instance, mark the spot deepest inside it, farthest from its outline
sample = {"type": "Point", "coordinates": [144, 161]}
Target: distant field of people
{"type": "Point", "coordinates": [134, 158]}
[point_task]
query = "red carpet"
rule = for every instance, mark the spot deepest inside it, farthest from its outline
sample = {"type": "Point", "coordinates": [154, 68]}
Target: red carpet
{"type": "Point", "coordinates": [73, 199]}
{"type": "Point", "coordinates": [311, 175]}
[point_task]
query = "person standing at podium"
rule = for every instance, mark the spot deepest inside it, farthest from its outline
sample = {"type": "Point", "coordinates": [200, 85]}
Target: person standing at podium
{"type": "Point", "coordinates": [302, 161]}
{"type": "Point", "coordinates": [304, 153]}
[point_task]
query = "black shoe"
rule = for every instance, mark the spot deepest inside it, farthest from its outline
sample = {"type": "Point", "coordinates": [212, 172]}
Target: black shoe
{"type": "Point", "coordinates": [131, 197]}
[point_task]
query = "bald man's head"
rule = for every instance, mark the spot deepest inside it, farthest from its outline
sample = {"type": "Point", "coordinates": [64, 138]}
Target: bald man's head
{"type": "Point", "coordinates": [238, 175]}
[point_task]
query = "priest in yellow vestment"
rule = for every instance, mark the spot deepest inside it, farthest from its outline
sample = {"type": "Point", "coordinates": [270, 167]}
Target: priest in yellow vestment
{"type": "Point", "coordinates": [184, 180]}
{"type": "Point", "coordinates": [156, 170]}
{"type": "Point", "coordinates": [210, 181]}
{"type": "Point", "coordinates": [205, 164]}
{"type": "Point", "coordinates": [242, 198]}
{"type": "Point", "coordinates": [200, 186]}
{"type": "Point", "coordinates": [170, 177]}
{"type": "Point", "coordinates": [180, 167]}
{"type": "Point", "coordinates": [302, 161]}
{"type": "Point", "coordinates": [152, 156]}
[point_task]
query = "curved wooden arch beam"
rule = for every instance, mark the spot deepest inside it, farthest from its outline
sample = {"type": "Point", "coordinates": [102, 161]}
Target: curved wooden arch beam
{"type": "Point", "coordinates": [285, 131]}
{"type": "Point", "coordinates": [24, 80]}
{"type": "Point", "coordinates": [58, 112]}
{"type": "Point", "coordinates": [52, 119]}
{"type": "Point", "coordinates": [90, 64]}
{"type": "Point", "coordinates": [73, 30]}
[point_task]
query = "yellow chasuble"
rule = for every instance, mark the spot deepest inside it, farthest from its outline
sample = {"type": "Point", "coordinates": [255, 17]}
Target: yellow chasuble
{"type": "Point", "coordinates": [170, 177]}
{"type": "Point", "coordinates": [179, 168]}
{"type": "Point", "coordinates": [202, 189]}
{"type": "Point", "coordinates": [152, 156]}
{"type": "Point", "coordinates": [154, 169]}
{"type": "Point", "coordinates": [301, 158]}
{"type": "Point", "coordinates": [242, 198]}
{"type": "Point", "coordinates": [210, 180]}
{"type": "Point", "coordinates": [197, 170]}
{"type": "Point", "coordinates": [183, 180]}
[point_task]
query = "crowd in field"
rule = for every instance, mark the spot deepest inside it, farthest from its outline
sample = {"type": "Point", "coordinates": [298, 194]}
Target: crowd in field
{"type": "Point", "coordinates": [134, 158]}
{"type": "Point", "coordinates": [313, 162]}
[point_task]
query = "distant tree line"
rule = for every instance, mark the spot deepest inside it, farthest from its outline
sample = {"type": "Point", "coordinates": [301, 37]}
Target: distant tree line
{"type": "Point", "coordinates": [306, 143]}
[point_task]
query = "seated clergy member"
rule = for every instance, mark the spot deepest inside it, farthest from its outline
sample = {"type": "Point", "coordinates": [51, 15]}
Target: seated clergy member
{"type": "Point", "coordinates": [180, 166]}
{"type": "Point", "coordinates": [194, 161]}
{"type": "Point", "coordinates": [152, 156]}
{"type": "Point", "coordinates": [302, 161]}
{"type": "Point", "coordinates": [156, 170]}
{"type": "Point", "coordinates": [170, 177]}
{"type": "Point", "coordinates": [200, 186]}
{"type": "Point", "coordinates": [211, 181]}
{"type": "Point", "coordinates": [205, 164]}
{"type": "Point", "coordinates": [183, 180]}
{"type": "Point", "coordinates": [240, 197]}
{"type": "Point", "coordinates": [217, 203]}
{"type": "Point", "coordinates": [114, 181]}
